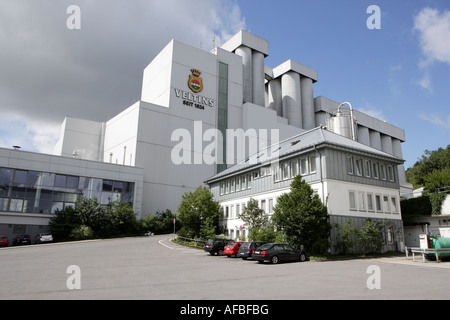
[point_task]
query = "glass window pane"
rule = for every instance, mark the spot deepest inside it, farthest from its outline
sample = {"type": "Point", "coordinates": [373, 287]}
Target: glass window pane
{"type": "Point", "coordinates": [33, 179]}
{"type": "Point", "coordinates": [118, 186]}
{"type": "Point", "coordinates": [107, 185]}
{"type": "Point", "coordinates": [60, 181]}
{"type": "Point", "coordinates": [6, 175]}
{"type": "Point", "coordinates": [20, 177]}
{"type": "Point", "coordinates": [72, 182]}
{"type": "Point", "coordinates": [48, 179]}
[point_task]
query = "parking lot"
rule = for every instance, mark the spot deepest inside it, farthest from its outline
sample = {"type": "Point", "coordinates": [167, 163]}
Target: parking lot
{"type": "Point", "coordinates": [156, 268]}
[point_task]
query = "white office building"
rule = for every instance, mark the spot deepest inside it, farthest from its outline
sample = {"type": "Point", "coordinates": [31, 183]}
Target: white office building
{"type": "Point", "coordinates": [195, 108]}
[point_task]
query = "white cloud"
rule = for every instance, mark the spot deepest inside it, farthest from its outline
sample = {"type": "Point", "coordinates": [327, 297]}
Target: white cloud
{"type": "Point", "coordinates": [433, 29]}
{"type": "Point", "coordinates": [48, 72]}
{"type": "Point", "coordinates": [437, 120]}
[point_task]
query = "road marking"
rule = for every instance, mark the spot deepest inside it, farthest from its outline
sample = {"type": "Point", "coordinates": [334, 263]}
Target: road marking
{"type": "Point", "coordinates": [165, 245]}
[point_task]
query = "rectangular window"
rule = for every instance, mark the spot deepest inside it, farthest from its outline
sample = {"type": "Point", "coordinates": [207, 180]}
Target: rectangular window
{"type": "Point", "coordinates": [303, 166]}
{"type": "Point", "coordinates": [294, 167]}
{"type": "Point", "coordinates": [233, 186]}
{"type": "Point", "coordinates": [386, 204]}
{"type": "Point", "coordinates": [375, 170]}
{"type": "Point", "coordinates": [352, 199]}
{"type": "Point", "coordinates": [362, 201]}
{"type": "Point", "coordinates": [382, 171]}
{"type": "Point", "coordinates": [270, 205]}
{"type": "Point", "coordinates": [312, 164]}
{"type": "Point", "coordinates": [238, 210]}
{"type": "Point", "coordinates": [370, 202]}
{"type": "Point", "coordinates": [390, 173]}
{"type": "Point", "coordinates": [277, 173]}
{"type": "Point", "coordinates": [286, 171]}
{"type": "Point", "coordinates": [263, 205]}
{"type": "Point", "coordinates": [249, 181]}
{"type": "Point", "coordinates": [394, 206]}
{"type": "Point", "coordinates": [358, 167]}
{"type": "Point", "coordinates": [367, 168]}
{"type": "Point", "coordinates": [378, 203]}
{"type": "Point", "coordinates": [222, 188]}
{"type": "Point", "coordinates": [238, 184]}
{"type": "Point", "coordinates": [350, 165]}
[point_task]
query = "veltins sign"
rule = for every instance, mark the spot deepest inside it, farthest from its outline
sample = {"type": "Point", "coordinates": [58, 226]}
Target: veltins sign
{"type": "Point", "coordinates": [192, 99]}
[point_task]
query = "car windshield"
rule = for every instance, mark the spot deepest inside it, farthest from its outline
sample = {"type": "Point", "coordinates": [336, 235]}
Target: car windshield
{"type": "Point", "coordinates": [245, 245]}
{"type": "Point", "coordinates": [210, 242]}
{"type": "Point", "coordinates": [265, 246]}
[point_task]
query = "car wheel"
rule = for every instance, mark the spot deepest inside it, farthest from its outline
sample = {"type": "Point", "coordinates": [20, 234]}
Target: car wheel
{"type": "Point", "coordinates": [211, 253]}
{"type": "Point", "coordinates": [302, 257]}
{"type": "Point", "coordinates": [220, 253]}
{"type": "Point", "coordinates": [274, 260]}
{"type": "Point", "coordinates": [260, 261]}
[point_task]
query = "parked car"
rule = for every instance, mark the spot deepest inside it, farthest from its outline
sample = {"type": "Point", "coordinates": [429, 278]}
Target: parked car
{"type": "Point", "coordinates": [4, 241]}
{"type": "Point", "coordinates": [214, 246]}
{"type": "Point", "coordinates": [277, 252]}
{"type": "Point", "coordinates": [22, 239]}
{"type": "Point", "coordinates": [43, 238]}
{"type": "Point", "coordinates": [246, 249]}
{"type": "Point", "coordinates": [232, 248]}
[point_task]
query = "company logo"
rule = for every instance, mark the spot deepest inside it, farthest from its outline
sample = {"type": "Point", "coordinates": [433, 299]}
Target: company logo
{"type": "Point", "coordinates": [195, 83]}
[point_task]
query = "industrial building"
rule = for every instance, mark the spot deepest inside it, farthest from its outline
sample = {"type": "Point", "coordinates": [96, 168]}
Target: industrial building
{"type": "Point", "coordinates": [200, 113]}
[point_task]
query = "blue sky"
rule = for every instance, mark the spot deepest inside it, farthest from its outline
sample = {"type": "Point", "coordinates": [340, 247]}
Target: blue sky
{"type": "Point", "coordinates": [378, 71]}
{"type": "Point", "coordinates": [399, 73]}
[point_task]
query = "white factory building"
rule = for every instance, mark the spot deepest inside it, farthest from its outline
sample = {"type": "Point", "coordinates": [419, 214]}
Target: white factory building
{"type": "Point", "coordinates": [195, 108]}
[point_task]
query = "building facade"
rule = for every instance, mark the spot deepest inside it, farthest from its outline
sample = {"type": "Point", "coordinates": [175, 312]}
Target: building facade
{"type": "Point", "coordinates": [355, 181]}
{"type": "Point", "coordinates": [201, 113]}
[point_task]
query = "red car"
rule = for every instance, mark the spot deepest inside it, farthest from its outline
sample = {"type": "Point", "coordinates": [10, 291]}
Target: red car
{"type": "Point", "coordinates": [4, 241]}
{"type": "Point", "coordinates": [232, 248]}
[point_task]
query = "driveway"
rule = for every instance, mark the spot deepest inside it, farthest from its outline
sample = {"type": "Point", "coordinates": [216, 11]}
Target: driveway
{"type": "Point", "coordinates": [155, 268]}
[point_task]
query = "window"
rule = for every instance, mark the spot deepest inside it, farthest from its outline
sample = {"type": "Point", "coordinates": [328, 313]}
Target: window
{"type": "Point", "coordinates": [238, 184]}
{"type": "Point", "coordinates": [370, 202]}
{"type": "Point", "coordinates": [222, 188]}
{"type": "Point", "coordinates": [286, 171]}
{"type": "Point", "coordinates": [232, 212]}
{"type": "Point", "coordinates": [303, 166]}
{"type": "Point", "coordinates": [358, 167]}
{"type": "Point", "coordinates": [350, 165]}
{"type": "Point", "coordinates": [294, 167]}
{"type": "Point", "coordinates": [390, 173]}
{"type": "Point", "coordinates": [394, 206]}
{"type": "Point", "coordinates": [270, 205]}
{"type": "Point", "coordinates": [233, 186]}
{"type": "Point", "coordinates": [249, 181]}
{"type": "Point", "coordinates": [362, 201]}
{"type": "Point", "coordinates": [227, 188]}
{"type": "Point", "coordinates": [312, 164]}
{"type": "Point", "coordinates": [367, 167]}
{"type": "Point", "coordinates": [238, 210]}
{"type": "Point", "coordinates": [386, 204]}
{"type": "Point", "coordinates": [382, 171]}
{"type": "Point", "coordinates": [263, 205]}
{"type": "Point", "coordinates": [378, 203]}
{"type": "Point", "coordinates": [375, 170]}
{"type": "Point", "coordinates": [352, 199]}
{"type": "Point", "coordinates": [226, 212]}
{"type": "Point", "coordinates": [244, 182]}
{"type": "Point", "coordinates": [277, 172]}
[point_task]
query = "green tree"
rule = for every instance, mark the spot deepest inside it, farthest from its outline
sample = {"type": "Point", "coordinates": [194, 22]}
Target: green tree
{"type": "Point", "coordinates": [302, 217]}
{"type": "Point", "coordinates": [199, 214]}
{"type": "Point", "coordinates": [431, 161]}
{"type": "Point", "coordinates": [161, 222]}
{"type": "Point", "coordinates": [371, 236]}
{"type": "Point", "coordinates": [253, 216]}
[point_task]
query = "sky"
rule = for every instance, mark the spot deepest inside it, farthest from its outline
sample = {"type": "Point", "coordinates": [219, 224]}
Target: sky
{"type": "Point", "coordinates": [399, 73]}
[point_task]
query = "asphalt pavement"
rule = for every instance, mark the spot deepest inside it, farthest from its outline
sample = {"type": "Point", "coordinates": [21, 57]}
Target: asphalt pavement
{"type": "Point", "coordinates": [154, 268]}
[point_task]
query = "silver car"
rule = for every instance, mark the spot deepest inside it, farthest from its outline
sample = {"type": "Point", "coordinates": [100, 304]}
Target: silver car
{"type": "Point", "coordinates": [44, 238]}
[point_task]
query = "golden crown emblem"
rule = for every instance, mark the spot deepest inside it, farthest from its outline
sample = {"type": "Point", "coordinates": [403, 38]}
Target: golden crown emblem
{"type": "Point", "coordinates": [196, 72]}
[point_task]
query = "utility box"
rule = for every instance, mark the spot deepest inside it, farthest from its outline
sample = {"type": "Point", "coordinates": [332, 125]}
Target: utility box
{"type": "Point", "coordinates": [424, 241]}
